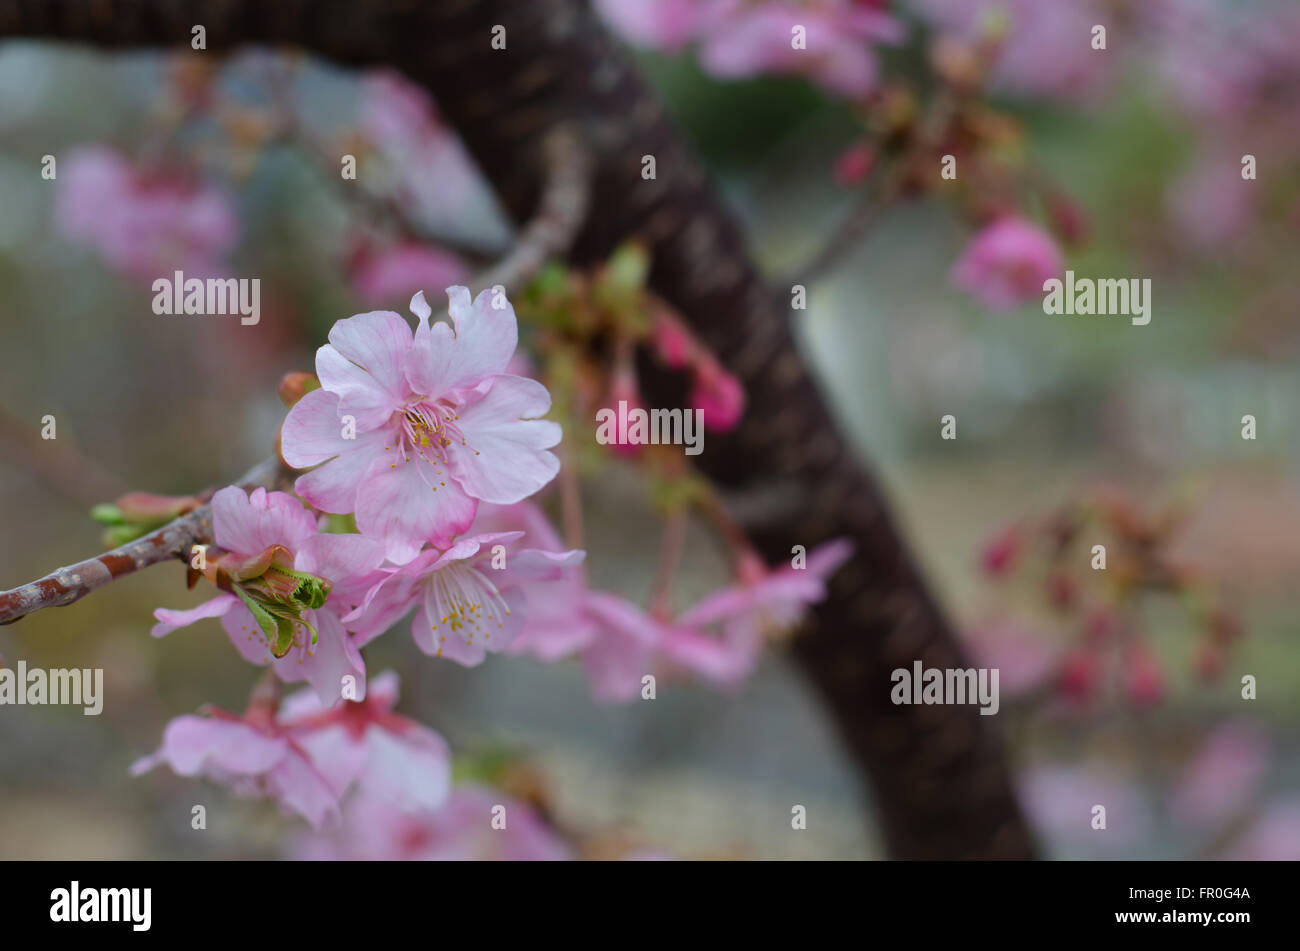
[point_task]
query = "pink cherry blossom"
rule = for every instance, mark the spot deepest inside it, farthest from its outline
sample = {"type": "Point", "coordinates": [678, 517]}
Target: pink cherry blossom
{"type": "Point", "coordinates": [431, 171]}
{"type": "Point", "coordinates": [253, 757]}
{"type": "Point", "coordinates": [384, 754]}
{"type": "Point", "coordinates": [739, 39]}
{"type": "Point", "coordinates": [1025, 661]}
{"type": "Point", "coordinates": [439, 425]}
{"type": "Point", "coordinates": [248, 525]}
{"type": "Point", "coordinates": [308, 757]}
{"type": "Point", "coordinates": [1007, 263]}
{"type": "Point", "coordinates": [616, 641]}
{"type": "Point", "coordinates": [718, 395]}
{"type": "Point", "coordinates": [1059, 799]}
{"type": "Point", "coordinates": [145, 226]}
{"type": "Point", "coordinates": [666, 25]}
{"type": "Point", "coordinates": [467, 599]}
{"type": "Point", "coordinates": [460, 830]}
{"type": "Point", "coordinates": [383, 275]}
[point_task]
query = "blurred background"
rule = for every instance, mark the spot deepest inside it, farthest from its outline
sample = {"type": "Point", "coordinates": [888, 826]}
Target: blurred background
{"type": "Point", "coordinates": [1123, 692]}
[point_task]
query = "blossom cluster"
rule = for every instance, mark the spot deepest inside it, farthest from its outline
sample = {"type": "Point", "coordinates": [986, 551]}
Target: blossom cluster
{"type": "Point", "coordinates": [428, 445]}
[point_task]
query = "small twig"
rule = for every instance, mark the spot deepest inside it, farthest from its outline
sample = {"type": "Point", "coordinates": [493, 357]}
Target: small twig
{"type": "Point", "coordinates": [560, 213]}
{"type": "Point", "coordinates": [174, 540]}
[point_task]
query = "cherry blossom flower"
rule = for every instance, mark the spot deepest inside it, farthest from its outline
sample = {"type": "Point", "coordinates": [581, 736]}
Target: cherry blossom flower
{"type": "Point", "coordinates": [615, 640]}
{"type": "Point", "coordinates": [291, 609]}
{"type": "Point", "coordinates": [307, 757]}
{"type": "Point", "coordinates": [1024, 661]}
{"type": "Point", "coordinates": [666, 25]}
{"type": "Point", "coordinates": [385, 755]}
{"type": "Point", "coordinates": [1007, 263]}
{"type": "Point", "coordinates": [438, 424]}
{"type": "Point", "coordinates": [145, 226]}
{"type": "Point", "coordinates": [460, 830]}
{"type": "Point", "coordinates": [467, 599]}
{"type": "Point", "coordinates": [740, 39]}
{"type": "Point", "coordinates": [432, 172]}
{"type": "Point", "coordinates": [252, 756]}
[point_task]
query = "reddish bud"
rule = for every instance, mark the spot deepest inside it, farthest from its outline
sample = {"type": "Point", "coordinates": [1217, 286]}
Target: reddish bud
{"type": "Point", "coordinates": [1144, 681]}
{"type": "Point", "coordinates": [294, 386]}
{"type": "Point", "coordinates": [1078, 676]}
{"type": "Point", "coordinates": [854, 164]}
{"type": "Point", "coordinates": [999, 554]}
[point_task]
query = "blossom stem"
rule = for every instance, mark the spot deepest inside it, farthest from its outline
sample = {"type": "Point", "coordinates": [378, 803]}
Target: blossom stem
{"type": "Point", "coordinates": [174, 540]}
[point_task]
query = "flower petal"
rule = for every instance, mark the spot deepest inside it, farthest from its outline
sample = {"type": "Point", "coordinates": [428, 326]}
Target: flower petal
{"type": "Point", "coordinates": [170, 620]}
{"type": "Point", "coordinates": [506, 459]}
{"type": "Point", "coordinates": [397, 505]}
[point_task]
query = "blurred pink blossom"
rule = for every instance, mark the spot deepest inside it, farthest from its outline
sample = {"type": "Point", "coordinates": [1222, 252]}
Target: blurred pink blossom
{"type": "Point", "coordinates": [1024, 661]}
{"type": "Point", "coordinates": [1006, 263]}
{"type": "Point", "coordinates": [460, 830]}
{"type": "Point", "coordinates": [1222, 776]}
{"type": "Point", "coordinates": [144, 225]}
{"type": "Point", "coordinates": [718, 395]}
{"type": "Point", "coordinates": [744, 38]}
{"type": "Point", "coordinates": [1275, 836]}
{"type": "Point", "coordinates": [740, 39]}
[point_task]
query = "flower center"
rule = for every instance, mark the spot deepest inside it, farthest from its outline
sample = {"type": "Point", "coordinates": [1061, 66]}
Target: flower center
{"type": "Point", "coordinates": [426, 430]}
{"type": "Point", "coordinates": [460, 597]}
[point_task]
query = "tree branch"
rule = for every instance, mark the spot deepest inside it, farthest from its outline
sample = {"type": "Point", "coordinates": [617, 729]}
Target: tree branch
{"type": "Point", "coordinates": [174, 540]}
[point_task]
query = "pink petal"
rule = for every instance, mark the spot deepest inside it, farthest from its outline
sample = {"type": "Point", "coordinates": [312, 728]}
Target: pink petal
{"type": "Point", "coordinates": [506, 459]}
{"type": "Point", "coordinates": [312, 432]}
{"type": "Point", "coordinates": [170, 620]}
{"type": "Point", "coordinates": [376, 342]}
{"type": "Point", "coordinates": [360, 395]}
{"type": "Point", "coordinates": [301, 788]}
{"type": "Point", "coordinates": [397, 505]}
{"type": "Point", "coordinates": [193, 744]}
{"type": "Point", "coordinates": [412, 770]}
{"type": "Point", "coordinates": [327, 662]}
{"type": "Point", "coordinates": [348, 561]}
{"type": "Point", "coordinates": [333, 486]}
{"type": "Point", "coordinates": [485, 340]}
{"type": "Point", "coordinates": [248, 525]}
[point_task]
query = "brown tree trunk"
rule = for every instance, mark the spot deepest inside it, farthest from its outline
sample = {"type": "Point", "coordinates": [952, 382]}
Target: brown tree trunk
{"type": "Point", "coordinates": [939, 774]}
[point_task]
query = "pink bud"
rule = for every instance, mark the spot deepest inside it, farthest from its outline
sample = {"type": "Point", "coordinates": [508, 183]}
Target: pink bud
{"type": "Point", "coordinates": [854, 164]}
{"type": "Point", "coordinates": [999, 554]}
{"type": "Point", "coordinates": [719, 395]}
{"type": "Point", "coordinates": [1145, 683]}
{"type": "Point", "coordinates": [1078, 677]}
{"type": "Point", "coordinates": [673, 343]}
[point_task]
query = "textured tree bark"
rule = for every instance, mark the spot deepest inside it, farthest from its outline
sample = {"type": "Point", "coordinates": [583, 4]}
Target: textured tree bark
{"type": "Point", "coordinates": [939, 774]}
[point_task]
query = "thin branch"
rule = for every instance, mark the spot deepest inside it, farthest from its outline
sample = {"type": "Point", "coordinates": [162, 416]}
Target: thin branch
{"type": "Point", "coordinates": [560, 213]}
{"type": "Point", "coordinates": [174, 540]}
